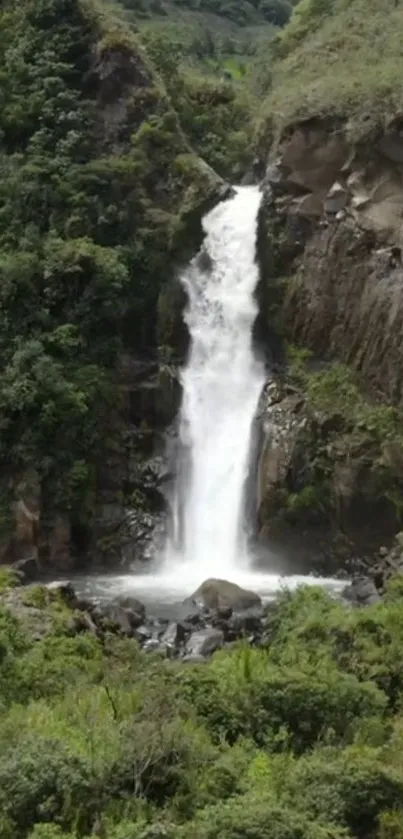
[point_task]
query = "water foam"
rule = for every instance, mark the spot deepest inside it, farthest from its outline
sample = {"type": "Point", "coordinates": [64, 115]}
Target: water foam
{"type": "Point", "coordinates": [221, 383]}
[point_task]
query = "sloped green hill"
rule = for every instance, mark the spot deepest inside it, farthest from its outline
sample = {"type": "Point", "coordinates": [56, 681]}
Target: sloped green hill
{"type": "Point", "coordinates": [338, 57]}
{"type": "Point", "coordinates": [210, 28]}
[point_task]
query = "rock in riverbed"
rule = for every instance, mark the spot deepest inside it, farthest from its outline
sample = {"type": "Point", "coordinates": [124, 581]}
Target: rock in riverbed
{"type": "Point", "coordinates": [204, 642]}
{"type": "Point", "coordinates": [220, 612]}
{"type": "Point", "coordinates": [220, 595]}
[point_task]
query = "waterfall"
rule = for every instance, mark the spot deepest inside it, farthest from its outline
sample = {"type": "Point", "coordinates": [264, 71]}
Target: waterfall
{"type": "Point", "coordinates": [221, 382]}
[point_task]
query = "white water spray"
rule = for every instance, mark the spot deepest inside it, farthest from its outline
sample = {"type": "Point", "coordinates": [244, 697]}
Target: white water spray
{"type": "Point", "coordinates": [221, 386]}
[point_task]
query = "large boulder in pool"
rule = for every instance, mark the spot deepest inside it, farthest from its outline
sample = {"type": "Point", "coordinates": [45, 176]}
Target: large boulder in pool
{"type": "Point", "coordinates": [221, 595]}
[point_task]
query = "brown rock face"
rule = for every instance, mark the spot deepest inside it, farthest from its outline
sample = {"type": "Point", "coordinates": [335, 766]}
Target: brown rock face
{"type": "Point", "coordinates": [27, 507]}
{"type": "Point", "coordinates": [331, 222]}
{"type": "Point", "coordinates": [323, 478]}
{"type": "Point", "coordinates": [347, 301]}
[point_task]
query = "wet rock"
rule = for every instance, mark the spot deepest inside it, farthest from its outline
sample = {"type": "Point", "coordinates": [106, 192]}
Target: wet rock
{"type": "Point", "coordinates": [190, 613]}
{"type": "Point", "coordinates": [217, 595]}
{"type": "Point", "coordinates": [119, 618]}
{"type": "Point", "coordinates": [125, 615]}
{"type": "Point", "coordinates": [175, 634]}
{"type": "Point", "coordinates": [142, 634]}
{"type": "Point", "coordinates": [362, 592]}
{"type": "Point", "coordinates": [135, 607]}
{"type": "Point", "coordinates": [246, 621]}
{"type": "Point", "coordinates": [204, 642]}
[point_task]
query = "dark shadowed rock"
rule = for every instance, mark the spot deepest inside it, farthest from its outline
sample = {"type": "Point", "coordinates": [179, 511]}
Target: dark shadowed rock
{"type": "Point", "coordinates": [204, 642]}
{"type": "Point", "coordinates": [218, 595]}
{"type": "Point", "coordinates": [63, 590]}
{"type": "Point", "coordinates": [126, 615]}
{"type": "Point", "coordinates": [134, 607]}
{"type": "Point", "coordinates": [249, 620]}
{"type": "Point", "coordinates": [336, 199]}
{"type": "Point", "coordinates": [119, 618]}
{"type": "Point", "coordinates": [27, 569]}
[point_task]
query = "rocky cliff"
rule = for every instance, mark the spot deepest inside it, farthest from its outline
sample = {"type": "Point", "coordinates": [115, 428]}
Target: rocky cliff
{"type": "Point", "coordinates": [330, 245]}
{"type": "Point", "coordinates": [330, 238]}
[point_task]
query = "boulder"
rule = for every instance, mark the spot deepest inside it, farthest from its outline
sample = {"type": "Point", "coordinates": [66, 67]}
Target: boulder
{"type": "Point", "coordinates": [362, 592]}
{"type": "Point", "coordinates": [174, 634]}
{"type": "Point", "coordinates": [218, 595]}
{"type": "Point", "coordinates": [27, 569]}
{"type": "Point", "coordinates": [126, 615]}
{"type": "Point", "coordinates": [203, 643]}
{"type": "Point", "coordinates": [135, 607]}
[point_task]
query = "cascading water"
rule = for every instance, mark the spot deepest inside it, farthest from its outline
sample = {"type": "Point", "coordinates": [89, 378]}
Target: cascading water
{"type": "Point", "coordinates": [221, 386]}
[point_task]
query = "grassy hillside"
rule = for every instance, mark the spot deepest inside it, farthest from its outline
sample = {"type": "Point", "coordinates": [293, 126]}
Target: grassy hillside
{"type": "Point", "coordinates": [338, 58]}
{"type": "Point", "coordinates": [210, 29]}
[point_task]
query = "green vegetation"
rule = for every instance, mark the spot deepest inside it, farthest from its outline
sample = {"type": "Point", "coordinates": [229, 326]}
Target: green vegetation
{"type": "Point", "coordinates": [348, 449]}
{"type": "Point", "coordinates": [357, 43]}
{"type": "Point", "coordinates": [92, 202]}
{"type": "Point", "coordinates": [206, 27]}
{"type": "Point", "coordinates": [215, 115]}
{"type": "Point", "coordinates": [299, 738]}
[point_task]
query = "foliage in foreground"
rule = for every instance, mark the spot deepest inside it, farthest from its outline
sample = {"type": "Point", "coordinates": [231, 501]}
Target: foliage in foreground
{"type": "Point", "coordinates": [300, 738]}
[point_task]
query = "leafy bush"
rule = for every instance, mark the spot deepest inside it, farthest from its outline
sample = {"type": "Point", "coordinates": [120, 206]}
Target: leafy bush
{"type": "Point", "coordinates": [249, 697]}
{"type": "Point", "coordinates": [288, 741]}
{"type": "Point", "coordinates": [41, 781]}
{"type": "Point", "coordinates": [350, 788]}
{"type": "Point", "coordinates": [256, 818]}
